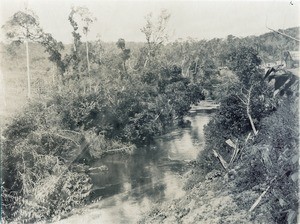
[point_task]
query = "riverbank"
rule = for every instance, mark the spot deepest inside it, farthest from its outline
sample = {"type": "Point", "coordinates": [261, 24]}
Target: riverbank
{"type": "Point", "coordinates": [210, 200]}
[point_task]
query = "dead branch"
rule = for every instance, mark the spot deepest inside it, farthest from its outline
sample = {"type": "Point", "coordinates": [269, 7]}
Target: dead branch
{"type": "Point", "coordinates": [283, 34]}
{"type": "Point", "coordinates": [258, 199]}
{"type": "Point", "coordinates": [222, 161]}
{"type": "Point", "coordinates": [119, 149]}
{"type": "Point", "coordinates": [67, 138]}
{"type": "Point", "coordinates": [261, 196]}
{"type": "Point", "coordinates": [243, 101]}
{"type": "Point", "coordinates": [248, 137]}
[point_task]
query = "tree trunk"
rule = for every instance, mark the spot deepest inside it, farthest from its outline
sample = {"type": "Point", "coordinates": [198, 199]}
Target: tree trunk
{"type": "Point", "coordinates": [146, 62]}
{"type": "Point", "coordinates": [248, 111]}
{"type": "Point", "coordinates": [251, 121]}
{"type": "Point", "coordinates": [148, 55]}
{"type": "Point", "coordinates": [87, 55]}
{"type": "Point", "coordinates": [182, 67]}
{"type": "Point", "coordinates": [125, 69]}
{"type": "Point", "coordinates": [187, 74]}
{"type": "Point", "coordinates": [88, 62]}
{"type": "Point", "coordinates": [28, 69]}
{"type": "Point", "coordinates": [53, 74]}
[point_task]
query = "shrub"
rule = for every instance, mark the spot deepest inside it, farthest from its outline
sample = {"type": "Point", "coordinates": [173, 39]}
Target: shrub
{"type": "Point", "coordinates": [274, 155]}
{"type": "Point", "coordinates": [41, 178]}
{"type": "Point", "coordinates": [44, 183]}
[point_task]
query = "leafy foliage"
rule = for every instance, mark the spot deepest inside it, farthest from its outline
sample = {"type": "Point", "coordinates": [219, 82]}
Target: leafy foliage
{"type": "Point", "coordinates": [156, 36]}
{"type": "Point", "coordinates": [137, 92]}
{"type": "Point", "coordinates": [52, 142]}
{"type": "Point", "coordinates": [23, 26]}
{"type": "Point", "coordinates": [275, 154]}
{"type": "Point", "coordinates": [40, 179]}
{"type": "Point", "coordinates": [247, 99]}
{"type": "Point", "coordinates": [269, 158]}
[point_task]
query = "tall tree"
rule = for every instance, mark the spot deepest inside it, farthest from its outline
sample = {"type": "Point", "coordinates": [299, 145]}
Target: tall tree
{"type": "Point", "coordinates": [81, 17]}
{"type": "Point", "coordinates": [24, 27]}
{"type": "Point", "coordinates": [155, 33]}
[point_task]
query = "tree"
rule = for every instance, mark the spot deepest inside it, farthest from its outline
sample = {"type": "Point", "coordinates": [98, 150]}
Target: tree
{"type": "Point", "coordinates": [155, 33]}
{"type": "Point", "coordinates": [23, 27]}
{"type": "Point", "coordinates": [125, 53]}
{"type": "Point", "coordinates": [246, 102]}
{"type": "Point", "coordinates": [53, 47]}
{"type": "Point", "coordinates": [244, 62]}
{"type": "Point", "coordinates": [84, 20]}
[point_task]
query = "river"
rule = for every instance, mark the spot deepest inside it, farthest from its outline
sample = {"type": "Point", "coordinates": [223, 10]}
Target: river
{"type": "Point", "coordinates": [132, 184]}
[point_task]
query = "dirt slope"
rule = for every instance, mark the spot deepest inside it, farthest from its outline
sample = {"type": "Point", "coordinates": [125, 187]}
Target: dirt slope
{"type": "Point", "coordinates": [210, 201]}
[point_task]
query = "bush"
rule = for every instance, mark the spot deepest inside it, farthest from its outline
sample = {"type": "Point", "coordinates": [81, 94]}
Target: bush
{"type": "Point", "coordinates": [270, 157]}
{"type": "Point", "coordinates": [247, 98]}
{"type": "Point", "coordinates": [42, 184]}
{"type": "Point", "coordinates": [41, 178]}
{"type": "Point", "coordinates": [274, 155]}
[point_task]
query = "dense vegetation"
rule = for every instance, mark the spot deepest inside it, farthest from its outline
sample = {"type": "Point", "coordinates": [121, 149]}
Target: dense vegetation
{"type": "Point", "coordinates": [95, 106]}
{"type": "Point", "coordinates": [107, 97]}
{"type": "Point", "coordinates": [254, 136]}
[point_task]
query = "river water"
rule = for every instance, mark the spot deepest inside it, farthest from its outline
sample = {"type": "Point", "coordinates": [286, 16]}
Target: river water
{"type": "Point", "coordinates": [132, 185]}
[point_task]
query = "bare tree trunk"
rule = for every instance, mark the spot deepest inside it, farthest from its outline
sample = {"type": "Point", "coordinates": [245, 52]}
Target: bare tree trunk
{"type": "Point", "coordinates": [88, 62]}
{"type": "Point", "coordinates": [125, 69]}
{"type": "Point", "coordinates": [28, 69]}
{"type": "Point", "coordinates": [246, 101]}
{"type": "Point", "coordinates": [248, 111]}
{"type": "Point", "coordinates": [53, 74]}
{"type": "Point", "coordinates": [87, 55]}
{"type": "Point", "coordinates": [148, 54]}
{"type": "Point", "coordinates": [146, 62]}
{"type": "Point", "coordinates": [182, 67]}
{"type": "Point", "coordinates": [187, 74]}
{"type": "Point", "coordinates": [195, 73]}
{"type": "Point", "coordinates": [251, 121]}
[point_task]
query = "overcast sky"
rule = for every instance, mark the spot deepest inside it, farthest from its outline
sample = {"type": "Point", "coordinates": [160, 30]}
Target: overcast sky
{"type": "Point", "coordinates": [196, 19]}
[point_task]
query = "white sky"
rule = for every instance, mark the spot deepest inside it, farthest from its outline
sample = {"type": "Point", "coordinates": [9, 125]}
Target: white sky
{"type": "Point", "coordinates": [196, 19]}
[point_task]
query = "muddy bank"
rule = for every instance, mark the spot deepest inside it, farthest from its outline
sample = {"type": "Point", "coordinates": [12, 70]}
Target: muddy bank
{"type": "Point", "coordinates": [213, 200]}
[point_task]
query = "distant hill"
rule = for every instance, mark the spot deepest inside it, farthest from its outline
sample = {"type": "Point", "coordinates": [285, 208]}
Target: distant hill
{"type": "Point", "coordinates": [269, 45]}
{"type": "Point", "coordinates": [272, 45]}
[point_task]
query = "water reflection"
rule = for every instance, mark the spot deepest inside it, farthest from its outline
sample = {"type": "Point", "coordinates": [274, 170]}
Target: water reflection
{"type": "Point", "coordinates": [132, 184]}
{"type": "Point", "coordinates": [185, 144]}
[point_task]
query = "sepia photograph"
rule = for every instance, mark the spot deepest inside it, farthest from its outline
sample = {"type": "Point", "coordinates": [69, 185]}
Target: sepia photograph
{"type": "Point", "coordinates": [149, 112]}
